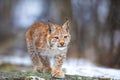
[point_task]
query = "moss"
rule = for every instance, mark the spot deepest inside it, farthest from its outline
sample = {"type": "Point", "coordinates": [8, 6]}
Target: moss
{"type": "Point", "coordinates": [42, 75]}
{"type": "Point", "coordinates": [7, 66]}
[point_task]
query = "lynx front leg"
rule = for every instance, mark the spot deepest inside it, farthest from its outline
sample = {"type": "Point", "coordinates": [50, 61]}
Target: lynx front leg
{"type": "Point", "coordinates": [44, 64]}
{"type": "Point", "coordinates": [33, 55]}
{"type": "Point", "coordinates": [40, 63]}
{"type": "Point", "coordinates": [57, 67]}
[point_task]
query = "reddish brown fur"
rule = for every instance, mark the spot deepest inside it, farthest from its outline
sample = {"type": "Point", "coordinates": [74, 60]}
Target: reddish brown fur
{"type": "Point", "coordinates": [44, 40]}
{"type": "Point", "coordinates": [37, 29]}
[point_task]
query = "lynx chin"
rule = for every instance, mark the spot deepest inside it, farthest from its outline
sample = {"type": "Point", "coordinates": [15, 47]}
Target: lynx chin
{"type": "Point", "coordinates": [45, 40]}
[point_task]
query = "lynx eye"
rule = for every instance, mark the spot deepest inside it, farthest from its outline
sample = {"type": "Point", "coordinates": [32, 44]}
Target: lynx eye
{"type": "Point", "coordinates": [56, 37]}
{"type": "Point", "coordinates": [65, 36]}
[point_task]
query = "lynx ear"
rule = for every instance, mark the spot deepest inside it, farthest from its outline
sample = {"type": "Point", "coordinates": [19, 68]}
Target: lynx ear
{"type": "Point", "coordinates": [66, 25]}
{"type": "Point", "coordinates": [51, 27]}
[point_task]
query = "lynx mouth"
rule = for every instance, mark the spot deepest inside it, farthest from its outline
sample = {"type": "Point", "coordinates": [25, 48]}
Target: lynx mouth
{"type": "Point", "coordinates": [61, 48]}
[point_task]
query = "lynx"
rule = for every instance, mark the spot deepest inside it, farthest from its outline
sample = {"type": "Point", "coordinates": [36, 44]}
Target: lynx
{"type": "Point", "coordinates": [46, 40]}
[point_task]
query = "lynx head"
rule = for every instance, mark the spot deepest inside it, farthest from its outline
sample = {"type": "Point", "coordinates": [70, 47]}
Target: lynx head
{"type": "Point", "coordinates": [58, 36]}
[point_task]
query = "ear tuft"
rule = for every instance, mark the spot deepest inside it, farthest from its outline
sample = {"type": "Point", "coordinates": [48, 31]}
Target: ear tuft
{"type": "Point", "coordinates": [51, 27]}
{"type": "Point", "coordinates": [66, 24]}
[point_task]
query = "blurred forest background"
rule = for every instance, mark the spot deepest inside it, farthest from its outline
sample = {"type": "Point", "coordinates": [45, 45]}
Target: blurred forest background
{"type": "Point", "coordinates": [95, 27]}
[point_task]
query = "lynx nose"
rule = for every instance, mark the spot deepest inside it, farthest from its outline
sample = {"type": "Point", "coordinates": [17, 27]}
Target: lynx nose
{"type": "Point", "coordinates": [62, 43]}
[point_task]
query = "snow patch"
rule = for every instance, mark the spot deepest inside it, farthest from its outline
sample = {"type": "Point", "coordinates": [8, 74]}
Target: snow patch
{"type": "Point", "coordinates": [85, 68]}
{"type": "Point", "coordinates": [17, 60]}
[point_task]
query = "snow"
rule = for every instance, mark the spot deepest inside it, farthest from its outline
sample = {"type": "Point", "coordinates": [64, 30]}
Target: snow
{"type": "Point", "coordinates": [34, 78]}
{"type": "Point", "coordinates": [18, 60]}
{"type": "Point", "coordinates": [72, 67]}
{"type": "Point", "coordinates": [85, 68]}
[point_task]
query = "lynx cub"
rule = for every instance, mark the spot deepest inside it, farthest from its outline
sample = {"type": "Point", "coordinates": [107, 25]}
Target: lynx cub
{"type": "Point", "coordinates": [45, 41]}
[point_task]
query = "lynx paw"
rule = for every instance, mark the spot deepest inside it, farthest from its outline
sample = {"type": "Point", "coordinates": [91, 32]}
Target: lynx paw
{"type": "Point", "coordinates": [57, 74]}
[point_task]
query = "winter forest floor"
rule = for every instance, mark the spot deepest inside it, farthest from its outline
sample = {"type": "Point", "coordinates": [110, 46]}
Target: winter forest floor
{"type": "Point", "coordinates": [42, 76]}
{"type": "Point", "coordinates": [11, 72]}
{"type": "Point", "coordinates": [74, 69]}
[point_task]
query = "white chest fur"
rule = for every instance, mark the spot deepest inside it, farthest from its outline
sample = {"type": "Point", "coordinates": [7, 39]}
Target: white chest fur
{"type": "Point", "coordinates": [53, 52]}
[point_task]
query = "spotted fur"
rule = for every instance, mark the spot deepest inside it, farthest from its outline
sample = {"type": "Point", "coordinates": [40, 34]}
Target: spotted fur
{"type": "Point", "coordinates": [45, 41]}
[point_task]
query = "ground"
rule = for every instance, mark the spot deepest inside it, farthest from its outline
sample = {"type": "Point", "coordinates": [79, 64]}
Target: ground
{"type": "Point", "coordinates": [75, 70]}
